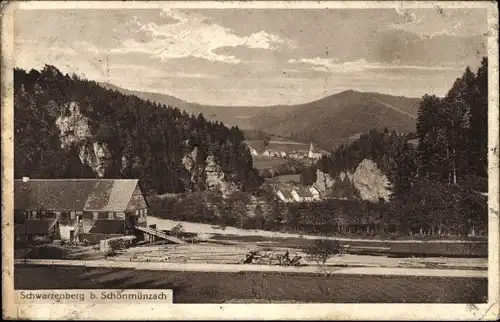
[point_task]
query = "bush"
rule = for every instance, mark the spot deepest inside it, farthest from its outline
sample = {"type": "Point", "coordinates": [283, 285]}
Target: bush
{"type": "Point", "coordinates": [322, 250]}
{"type": "Point", "coordinates": [116, 244]}
{"type": "Point", "coordinates": [178, 231]}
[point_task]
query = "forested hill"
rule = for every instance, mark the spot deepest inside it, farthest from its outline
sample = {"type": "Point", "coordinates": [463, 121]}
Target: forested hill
{"type": "Point", "coordinates": [336, 119]}
{"type": "Point", "coordinates": [452, 139]}
{"type": "Point", "coordinates": [330, 121]}
{"type": "Point", "coordinates": [68, 127]}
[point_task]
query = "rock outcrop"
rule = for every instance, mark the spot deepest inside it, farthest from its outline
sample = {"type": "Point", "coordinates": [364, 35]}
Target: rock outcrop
{"type": "Point", "coordinates": [74, 131]}
{"type": "Point", "coordinates": [73, 126]}
{"type": "Point", "coordinates": [324, 181]}
{"type": "Point", "coordinates": [367, 182]}
{"type": "Point", "coordinates": [215, 179]}
{"type": "Point", "coordinates": [371, 183]}
{"type": "Point", "coordinates": [210, 173]}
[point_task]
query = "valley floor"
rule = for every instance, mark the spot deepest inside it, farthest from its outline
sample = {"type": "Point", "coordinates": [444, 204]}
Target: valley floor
{"type": "Point", "coordinates": [259, 287]}
{"type": "Point", "coordinates": [236, 268]}
{"type": "Point", "coordinates": [207, 230]}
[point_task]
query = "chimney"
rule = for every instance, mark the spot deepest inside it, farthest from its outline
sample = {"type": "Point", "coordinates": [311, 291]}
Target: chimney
{"type": "Point", "coordinates": [26, 179]}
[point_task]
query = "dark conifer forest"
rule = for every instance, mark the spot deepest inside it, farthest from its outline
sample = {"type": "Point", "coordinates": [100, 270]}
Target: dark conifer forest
{"type": "Point", "coordinates": [145, 140]}
{"type": "Point", "coordinates": [452, 139]}
{"type": "Point", "coordinates": [438, 174]}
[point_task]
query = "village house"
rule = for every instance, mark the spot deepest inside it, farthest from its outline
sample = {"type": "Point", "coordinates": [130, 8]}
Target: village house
{"type": "Point", "coordinates": [69, 209]}
{"type": "Point", "coordinates": [302, 194]}
{"type": "Point", "coordinates": [315, 192]}
{"type": "Point", "coordinates": [285, 195]}
{"type": "Point", "coordinates": [254, 152]}
{"type": "Point", "coordinates": [297, 194]}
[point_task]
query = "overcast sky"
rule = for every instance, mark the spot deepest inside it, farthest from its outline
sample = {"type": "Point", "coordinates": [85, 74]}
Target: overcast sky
{"type": "Point", "coordinates": [256, 56]}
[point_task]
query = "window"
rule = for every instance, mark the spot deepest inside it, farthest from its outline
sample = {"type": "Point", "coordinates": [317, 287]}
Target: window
{"type": "Point", "coordinates": [95, 215]}
{"type": "Point", "coordinates": [110, 215]}
{"type": "Point", "coordinates": [79, 213]}
{"type": "Point", "coordinates": [145, 212]}
{"type": "Point", "coordinates": [72, 215]}
{"type": "Point", "coordinates": [120, 215]}
{"type": "Point", "coordinates": [44, 213]}
{"type": "Point", "coordinates": [137, 212]}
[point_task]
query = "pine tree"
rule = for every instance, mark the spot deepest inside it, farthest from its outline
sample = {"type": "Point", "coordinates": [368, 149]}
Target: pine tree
{"type": "Point", "coordinates": [427, 133]}
{"type": "Point", "coordinates": [478, 135]}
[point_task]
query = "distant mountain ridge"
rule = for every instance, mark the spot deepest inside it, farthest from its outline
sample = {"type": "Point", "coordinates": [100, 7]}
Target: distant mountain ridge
{"type": "Point", "coordinates": [329, 121]}
{"type": "Point", "coordinates": [335, 119]}
{"type": "Point", "coordinates": [230, 115]}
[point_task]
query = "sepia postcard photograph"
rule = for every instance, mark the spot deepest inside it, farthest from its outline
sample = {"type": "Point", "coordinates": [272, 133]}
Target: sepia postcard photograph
{"type": "Point", "coordinates": [300, 160]}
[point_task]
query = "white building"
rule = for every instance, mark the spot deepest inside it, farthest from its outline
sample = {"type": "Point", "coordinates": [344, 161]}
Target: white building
{"type": "Point", "coordinates": [285, 195]}
{"type": "Point", "coordinates": [254, 152]}
{"type": "Point", "coordinates": [311, 154]}
{"type": "Point", "coordinates": [315, 193]}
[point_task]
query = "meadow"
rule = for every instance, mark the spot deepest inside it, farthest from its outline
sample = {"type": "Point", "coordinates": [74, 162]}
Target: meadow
{"type": "Point", "coordinates": [257, 287]}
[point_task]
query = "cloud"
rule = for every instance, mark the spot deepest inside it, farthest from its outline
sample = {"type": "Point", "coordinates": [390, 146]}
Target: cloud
{"type": "Point", "coordinates": [333, 66]}
{"type": "Point", "coordinates": [274, 57]}
{"type": "Point", "coordinates": [192, 35]}
{"type": "Point", "coordinates": [429, 23]}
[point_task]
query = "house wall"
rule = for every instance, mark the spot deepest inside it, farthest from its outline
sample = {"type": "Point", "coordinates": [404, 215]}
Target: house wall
{"type": "Point", "coordinates": [138, 208]}
{"type": "Point", "coordinates": [135, 214]}
{"type": "Point", "coordinates": [280, 196]}
{"type": "Point", "coordinates": [94, 239]}
{"type": "Point", "coordinates": [137, 201]}
{"type": "Point", "coordinates": [67, 220]}
{"type": "Point", "coordinates": [296, 196]}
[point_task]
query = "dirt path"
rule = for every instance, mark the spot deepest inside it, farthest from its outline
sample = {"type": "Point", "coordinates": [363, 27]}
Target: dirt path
{"type": "Point", "coordinates": [394, 108]}
{"type": "Point", "coordinates": [384, 271]}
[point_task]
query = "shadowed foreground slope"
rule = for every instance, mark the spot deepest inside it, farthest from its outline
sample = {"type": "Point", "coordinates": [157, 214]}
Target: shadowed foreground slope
{"type": "Point", "coordinates": [211, 287]}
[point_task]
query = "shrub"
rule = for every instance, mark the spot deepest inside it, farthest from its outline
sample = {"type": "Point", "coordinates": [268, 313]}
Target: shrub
{"type": "Point", "coordinates": [178, 231]}
{"type": "Point", "coordinates": [322, 250]}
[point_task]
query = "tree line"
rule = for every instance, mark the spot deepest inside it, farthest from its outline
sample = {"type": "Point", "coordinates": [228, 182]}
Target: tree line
{"type": "Point", "coordinates": [146, 140]}
{"type": "Point", "coordinates": [438, 173]}
{"type": "Point", "coordinates": [453, 131]}
{"type": "Point", "coordinates": [432, 195]}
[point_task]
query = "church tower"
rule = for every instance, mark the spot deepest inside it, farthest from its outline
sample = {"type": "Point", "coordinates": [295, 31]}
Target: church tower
{"type": "Point", "coordinates": [311, 151]}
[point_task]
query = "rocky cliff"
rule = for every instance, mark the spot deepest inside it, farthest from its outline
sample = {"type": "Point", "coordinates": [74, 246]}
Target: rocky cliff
{"type": "Point", "coordinates": [367, 182]}
{"type": "Point", "coordinates": [208, 176]}
{"type": "Point", "coordinates": [74, 131]}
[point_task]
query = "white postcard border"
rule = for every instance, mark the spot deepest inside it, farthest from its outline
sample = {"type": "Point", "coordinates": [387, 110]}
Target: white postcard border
{"type": "Point", "coordinates": [151, 311]}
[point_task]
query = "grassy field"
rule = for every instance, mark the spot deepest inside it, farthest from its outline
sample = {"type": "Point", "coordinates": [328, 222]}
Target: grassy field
{"type": "Point", "coordinates": [449, 249]}
{"type": "Point", "coordinates": [287, 178]}
{"type": "Point", "coordinates": [261, 163]}
{"type": "Point", "coordinates": [201, 287]}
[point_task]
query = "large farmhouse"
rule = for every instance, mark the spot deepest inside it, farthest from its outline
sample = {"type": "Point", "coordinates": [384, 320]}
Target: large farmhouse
{"type": "Point", "coordinates": [69, 208]}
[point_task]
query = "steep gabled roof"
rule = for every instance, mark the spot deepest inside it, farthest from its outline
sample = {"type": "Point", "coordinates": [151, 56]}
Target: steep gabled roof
{"type": "Point", "coordinates": [73, 194]}
{"type": "Point", "coordinates": [110, 195]}
{"type": "Point", "coordinates": [286, 193]}
{"type": "Point", "coordinates": [108, 227]}
{"type": "Point", "coordinates": [304, 192]}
